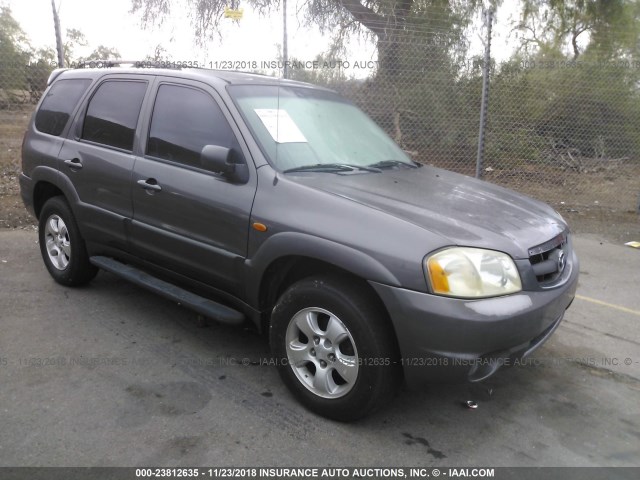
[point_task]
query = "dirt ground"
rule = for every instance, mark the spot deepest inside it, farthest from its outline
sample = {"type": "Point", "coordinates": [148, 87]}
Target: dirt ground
{"type": "Point", "coordinates": [12, 127]}
{"type": "Point", "coordinates": [603, 201]}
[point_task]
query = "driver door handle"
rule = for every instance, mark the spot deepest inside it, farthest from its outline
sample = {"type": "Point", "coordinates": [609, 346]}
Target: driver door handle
{"type": "Point", "coordinates": [150, 184]}
{"type": "Point", "coordinates": [74, 164]}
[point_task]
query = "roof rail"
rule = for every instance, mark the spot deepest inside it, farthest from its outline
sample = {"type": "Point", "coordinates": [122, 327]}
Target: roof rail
{"type": "Point", "coordinates": [54, 74]}
{"type": "Point", "coordinates": [117, 62]}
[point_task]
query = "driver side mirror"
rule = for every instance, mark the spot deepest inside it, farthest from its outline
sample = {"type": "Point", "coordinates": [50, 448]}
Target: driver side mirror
{"type": "Point", "coordinates": [218, 160]}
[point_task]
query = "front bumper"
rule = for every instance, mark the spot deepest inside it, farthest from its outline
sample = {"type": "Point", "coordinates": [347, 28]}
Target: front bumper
{"type": "Point", "coordinates": [445, 339]}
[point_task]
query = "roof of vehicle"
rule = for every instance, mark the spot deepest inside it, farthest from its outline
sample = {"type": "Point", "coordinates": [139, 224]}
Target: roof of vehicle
{"type": "Point", "coordinates": [230, 77]}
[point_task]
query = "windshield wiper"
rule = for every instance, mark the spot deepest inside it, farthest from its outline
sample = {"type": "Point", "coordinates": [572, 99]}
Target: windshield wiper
{"type": "Point", "coordinates": [391, 164]}
{"type": "Point", "coordinates": [331, 168]}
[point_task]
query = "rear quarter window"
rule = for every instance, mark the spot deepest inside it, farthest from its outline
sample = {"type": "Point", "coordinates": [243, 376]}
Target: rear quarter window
{"type": "Point", "coordinates": [58, 104]}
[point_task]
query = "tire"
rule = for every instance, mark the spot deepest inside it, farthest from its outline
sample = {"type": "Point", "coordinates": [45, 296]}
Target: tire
{"type": "Point", "coordinates": [62, 247]}
{"type": "Point", "coordinates": [335, 348]}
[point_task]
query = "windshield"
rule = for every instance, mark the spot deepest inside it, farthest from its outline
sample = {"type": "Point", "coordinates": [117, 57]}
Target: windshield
{"type": "Point", "coordinates": [298, 127]}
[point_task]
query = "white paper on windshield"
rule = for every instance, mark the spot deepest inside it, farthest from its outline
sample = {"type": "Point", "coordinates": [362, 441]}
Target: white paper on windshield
{"type": "Point", "coordinates": [280, 125]}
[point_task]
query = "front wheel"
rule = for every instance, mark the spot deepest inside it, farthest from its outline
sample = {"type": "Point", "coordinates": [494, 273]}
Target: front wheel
{"type": "Point", "coordinates": [62, 247]}
{"type": "Point", "coordinates": [335, 347]}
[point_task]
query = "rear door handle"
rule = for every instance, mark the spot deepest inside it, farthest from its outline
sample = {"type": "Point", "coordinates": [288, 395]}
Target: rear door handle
{"type": "Point", "coordinates": [74, 164]}
{"type": "Point", "coordinates": [150, 184]}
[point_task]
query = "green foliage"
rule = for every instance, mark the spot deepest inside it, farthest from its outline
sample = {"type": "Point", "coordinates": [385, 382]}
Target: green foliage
{"type": "Point", "coordinates": [14, 52]}
{"type": "Point", "coordinates": [572, 90]}
{"type": "Point", "coordinates": [40, 67]}
{"type": "Point", "coordinates": [104, 53]}
{"type": "Point", "coordinates": [74, 39]}
{"type": "Point", "coordinates": [24, 71]}
{"type": "Point", "coordinates": [608, 27]}
{"type": "Point", "coordinates": [542, 109]}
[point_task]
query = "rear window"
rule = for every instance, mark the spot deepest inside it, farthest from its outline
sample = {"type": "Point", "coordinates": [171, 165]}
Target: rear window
{"type": "Point", "coordinates": [112, 115]}
{"type": "Point", "coordinates": [58, 104]}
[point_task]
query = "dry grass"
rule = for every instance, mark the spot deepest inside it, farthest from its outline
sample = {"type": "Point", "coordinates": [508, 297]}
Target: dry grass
{"type": "Point", "coordinates": [13, 124]}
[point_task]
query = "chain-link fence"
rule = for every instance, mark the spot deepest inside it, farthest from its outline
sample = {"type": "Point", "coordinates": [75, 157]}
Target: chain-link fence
{"type": "Point", "coordinates": [563, 128]}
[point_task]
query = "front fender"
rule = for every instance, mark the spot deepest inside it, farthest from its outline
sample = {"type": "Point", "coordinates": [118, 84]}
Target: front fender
{"type": "Point", "coordinates": [300, 244]}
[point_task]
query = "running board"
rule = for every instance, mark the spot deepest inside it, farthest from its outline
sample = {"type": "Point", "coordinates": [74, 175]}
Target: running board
{"type": "Point", "coordinates": [204, 306]}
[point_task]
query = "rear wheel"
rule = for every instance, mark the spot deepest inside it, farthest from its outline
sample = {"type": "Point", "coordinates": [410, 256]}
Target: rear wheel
{"type": "Point", "coordinates": [62, 247]}
{"type": "Point", "coordinates": [335, 347]}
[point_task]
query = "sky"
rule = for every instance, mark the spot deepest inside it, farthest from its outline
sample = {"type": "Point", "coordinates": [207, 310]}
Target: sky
{"type": "Point", "coordinates": [110, 23]}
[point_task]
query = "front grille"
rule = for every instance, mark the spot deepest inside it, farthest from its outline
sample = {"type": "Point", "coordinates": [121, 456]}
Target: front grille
{"type": "Point", "coordinates": [549, 259]}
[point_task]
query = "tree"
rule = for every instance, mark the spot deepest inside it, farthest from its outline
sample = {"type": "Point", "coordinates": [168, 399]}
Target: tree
{"type": "Point", "coordinates": [74, 39]}
{"type": "Point", "coordinates": [391, 23]}
{"type": "Point", "coordinates": [43, 61]}
{"type": "Point", "coordinates": [104, 53]}
{"type": "Point", "coordinates": [583, 103]}
{"type": "Point", "coordinates": [14, 52]}
{"type": "Point", "coordinates": [419, 44]}
{"type": "Point", "coordinates": [24, 71]}
{"type": "Point", "coordinates": [605, 27]}
{"type": "Point", "coordinates": [159, 53]}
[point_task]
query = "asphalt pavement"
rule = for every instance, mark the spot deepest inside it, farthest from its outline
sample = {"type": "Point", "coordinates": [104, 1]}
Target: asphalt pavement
{"type": "Point", "coordinates": [111, 375]}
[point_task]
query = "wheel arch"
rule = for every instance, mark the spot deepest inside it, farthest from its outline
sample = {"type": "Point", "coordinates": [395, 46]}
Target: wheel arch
{"type": "Point", "coordinates": [281, 248]}
{"type": "Point", "coordinates": [50, 183]}
{"type": "Point", "coordinates": [287, 270]}
{"type": "Point", "coordinates": [43, 191]}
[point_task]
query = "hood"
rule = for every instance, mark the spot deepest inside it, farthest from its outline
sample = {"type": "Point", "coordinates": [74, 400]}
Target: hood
{"type": "Point", "coordinates": [463, 210]}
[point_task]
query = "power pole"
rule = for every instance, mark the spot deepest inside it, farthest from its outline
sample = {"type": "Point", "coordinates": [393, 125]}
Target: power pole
{"type": "Point", "coordinates": [484, 105]}
{"type": "Point", "coordinates": [56, 24]}
{"type": "Point", "coordinates": [285, 52]}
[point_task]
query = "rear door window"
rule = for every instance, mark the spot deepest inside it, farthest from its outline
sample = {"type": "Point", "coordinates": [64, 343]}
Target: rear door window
{"type": "Point", "coordinates": [112, 114]}
{"type": "Point", "coordinates": [58, 104]}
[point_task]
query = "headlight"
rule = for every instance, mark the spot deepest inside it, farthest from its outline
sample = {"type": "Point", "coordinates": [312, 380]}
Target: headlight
{"type": "Point", "coordinates": [472, 273]}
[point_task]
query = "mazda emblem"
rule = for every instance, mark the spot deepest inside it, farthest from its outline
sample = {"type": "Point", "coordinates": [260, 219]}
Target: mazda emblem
{"type": "Point", "coordinates": [561, 261]}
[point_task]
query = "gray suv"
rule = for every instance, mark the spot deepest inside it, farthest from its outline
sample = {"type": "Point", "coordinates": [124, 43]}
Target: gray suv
{"type": "Point", "coordinates": [281, 205]}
